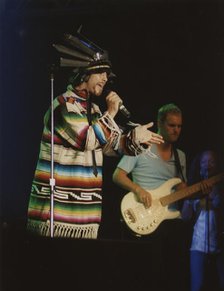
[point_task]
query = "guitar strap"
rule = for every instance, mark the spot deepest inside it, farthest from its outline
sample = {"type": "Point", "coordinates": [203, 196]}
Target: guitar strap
{"type": "Point", "coordinates": [178, 165]}
{"type": "Point", "coordinates": [179, 171]}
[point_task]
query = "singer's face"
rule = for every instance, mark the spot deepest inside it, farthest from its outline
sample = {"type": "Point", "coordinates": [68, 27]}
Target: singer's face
{"type": "Point", "coordinates": [170, 129]}
{"type": "Point", "coordinates": [96, 83]}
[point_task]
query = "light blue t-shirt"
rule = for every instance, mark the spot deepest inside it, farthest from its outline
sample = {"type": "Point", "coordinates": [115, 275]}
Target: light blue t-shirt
{"type": "Point", "coordinates": [151, 172]}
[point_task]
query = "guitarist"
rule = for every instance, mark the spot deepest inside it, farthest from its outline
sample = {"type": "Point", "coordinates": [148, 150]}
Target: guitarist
{"type": "Point", "coordinates": [207, 250]}
{"type": "Point", "coordinates": [149, 171]}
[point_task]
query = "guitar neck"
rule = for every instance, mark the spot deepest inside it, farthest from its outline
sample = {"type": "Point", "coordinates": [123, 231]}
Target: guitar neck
{"type": "Point", "coordinates": [188, 191]}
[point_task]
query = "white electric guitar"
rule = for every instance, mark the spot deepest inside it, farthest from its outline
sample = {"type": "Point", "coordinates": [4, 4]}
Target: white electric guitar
{"type": "Point", "coordinates": [143, 220]}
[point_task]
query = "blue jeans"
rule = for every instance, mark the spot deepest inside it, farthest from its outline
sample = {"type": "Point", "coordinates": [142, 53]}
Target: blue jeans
{"type": "Point", "coordinates": [200, 272]}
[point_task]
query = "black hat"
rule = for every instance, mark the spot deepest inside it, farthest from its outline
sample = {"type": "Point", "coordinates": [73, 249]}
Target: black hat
{"type": "Point", "coordinates": [83, 57]}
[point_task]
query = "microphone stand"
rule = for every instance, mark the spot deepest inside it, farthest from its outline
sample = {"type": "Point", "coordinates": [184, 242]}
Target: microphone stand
{"type": "Point", "coordinates": [208, 223]}
{"type": "Point", "coordinates": [52, 180]}
{"type": "Point", "coordinates": [207, 220]}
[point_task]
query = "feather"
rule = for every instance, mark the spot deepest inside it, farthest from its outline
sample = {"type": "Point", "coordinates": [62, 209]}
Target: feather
{"type": "Point", "coordinates": [71, 52]}
{"type": "Point", "coordinates": [74, 41]}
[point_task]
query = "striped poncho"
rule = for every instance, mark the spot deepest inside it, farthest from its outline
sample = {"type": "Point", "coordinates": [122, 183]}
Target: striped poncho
{"type": "Point", "coordinates": [77, 191]}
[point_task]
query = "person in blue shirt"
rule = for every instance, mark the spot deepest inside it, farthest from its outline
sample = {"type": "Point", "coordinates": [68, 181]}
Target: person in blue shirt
{"type": "Point", "coordinates": [207, 247]}
{"type": "Point", "coordinates": [147, 172]}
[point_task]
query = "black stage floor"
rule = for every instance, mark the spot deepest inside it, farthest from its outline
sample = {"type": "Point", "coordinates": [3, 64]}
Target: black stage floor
{"type": "Point", "coordinates": [36, 263]}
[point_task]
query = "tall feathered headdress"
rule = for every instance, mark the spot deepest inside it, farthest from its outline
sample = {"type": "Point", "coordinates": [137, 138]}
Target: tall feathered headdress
{"type": "Point", "coordinates": [83, 56]}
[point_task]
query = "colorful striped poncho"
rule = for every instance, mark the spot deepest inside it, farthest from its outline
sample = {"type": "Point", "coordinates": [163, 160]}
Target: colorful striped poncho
{"type": "Point", "coordinates": [77, 191]}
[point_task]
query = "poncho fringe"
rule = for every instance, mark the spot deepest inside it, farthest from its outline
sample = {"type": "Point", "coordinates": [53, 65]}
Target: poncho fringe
{"type": "Point", "coordinates": [63, 229]}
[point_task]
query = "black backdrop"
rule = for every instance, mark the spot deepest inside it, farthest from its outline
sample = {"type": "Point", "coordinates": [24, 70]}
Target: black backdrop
{"type": "Point", "coordinates": [161, 51]}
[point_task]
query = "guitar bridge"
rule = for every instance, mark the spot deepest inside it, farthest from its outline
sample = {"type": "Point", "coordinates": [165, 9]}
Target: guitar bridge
{"type": "Point", "coordinates": [130, 216]}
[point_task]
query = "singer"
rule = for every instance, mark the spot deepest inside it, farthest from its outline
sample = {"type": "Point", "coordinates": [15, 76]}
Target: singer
{"type": "Point", "coordinates": [82, 134]}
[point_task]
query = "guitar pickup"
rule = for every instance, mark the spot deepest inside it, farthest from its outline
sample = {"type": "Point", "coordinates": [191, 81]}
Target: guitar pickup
{"type": "Point", "coordinates": [130, 216]}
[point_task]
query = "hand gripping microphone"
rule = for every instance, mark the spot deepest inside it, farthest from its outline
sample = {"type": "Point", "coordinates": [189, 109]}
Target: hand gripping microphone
{"type": "Point", "coordinates": [122, 108]}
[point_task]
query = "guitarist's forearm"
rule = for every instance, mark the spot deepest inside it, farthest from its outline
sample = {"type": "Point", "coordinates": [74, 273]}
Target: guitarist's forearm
{"type": "Point", "coordinates": [121, 179]}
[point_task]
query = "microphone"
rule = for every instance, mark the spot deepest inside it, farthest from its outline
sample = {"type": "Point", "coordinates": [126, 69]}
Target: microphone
{"type": "Point", "coordinates": [124, 110]}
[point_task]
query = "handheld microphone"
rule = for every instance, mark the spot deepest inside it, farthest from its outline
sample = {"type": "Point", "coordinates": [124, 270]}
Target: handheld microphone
{"type": "Point", "coordinates": [124, 110]}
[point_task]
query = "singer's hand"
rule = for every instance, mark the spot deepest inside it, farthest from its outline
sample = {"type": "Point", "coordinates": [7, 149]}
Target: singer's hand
{"type": "Point", "coordinates": [147, 137]}
{"type": "Point", "coordinates": [113, 103]}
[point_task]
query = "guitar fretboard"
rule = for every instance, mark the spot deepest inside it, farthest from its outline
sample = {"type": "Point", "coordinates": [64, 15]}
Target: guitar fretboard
{"type": "Point", "coordinates": [188, 191]}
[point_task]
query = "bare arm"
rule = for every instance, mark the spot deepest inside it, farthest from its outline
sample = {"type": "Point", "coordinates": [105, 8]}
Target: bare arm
{"type": "Point", "coordinates": [120, 177]}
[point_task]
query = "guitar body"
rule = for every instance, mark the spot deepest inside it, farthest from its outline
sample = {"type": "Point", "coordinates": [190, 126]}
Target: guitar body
{"type": "Point", "coordinates": [143, 220]}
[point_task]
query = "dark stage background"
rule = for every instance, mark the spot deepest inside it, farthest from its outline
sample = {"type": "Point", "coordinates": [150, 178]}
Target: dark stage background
{"type": "Point", "coordinates": [161, 51]}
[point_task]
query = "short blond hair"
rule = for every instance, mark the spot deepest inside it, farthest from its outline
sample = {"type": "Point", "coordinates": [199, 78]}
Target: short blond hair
{"type": "Point", "coordinates": [167, 108]}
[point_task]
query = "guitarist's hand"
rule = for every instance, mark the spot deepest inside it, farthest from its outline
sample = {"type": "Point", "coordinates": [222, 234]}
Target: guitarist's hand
{"type": "Point", "coordinates": [206, 188]}
{"type": "Point", "coordinates": [144, 196]}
